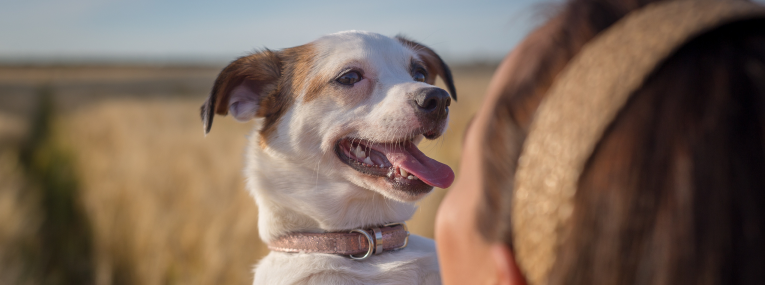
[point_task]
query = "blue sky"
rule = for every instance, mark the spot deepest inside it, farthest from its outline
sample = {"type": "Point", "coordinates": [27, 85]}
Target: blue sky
{"type": "Point", "coordinates": [173, 30]}
{"type": "Point", "coordinates": [221, 30]}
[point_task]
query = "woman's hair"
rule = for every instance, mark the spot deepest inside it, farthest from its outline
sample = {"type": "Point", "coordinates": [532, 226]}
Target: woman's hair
{"type": "Point", "coordinates": [674, 193]}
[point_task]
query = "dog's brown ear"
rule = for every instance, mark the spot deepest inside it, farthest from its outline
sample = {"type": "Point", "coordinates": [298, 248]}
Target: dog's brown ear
{"type": "Point", "coordinates": [242, 86]}
{"type": "Point", "coordinates": [433, 62]}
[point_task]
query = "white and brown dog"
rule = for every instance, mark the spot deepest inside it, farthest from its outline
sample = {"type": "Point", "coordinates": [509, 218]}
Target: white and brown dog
{"type": "Point", "coordinates": [333, 160]}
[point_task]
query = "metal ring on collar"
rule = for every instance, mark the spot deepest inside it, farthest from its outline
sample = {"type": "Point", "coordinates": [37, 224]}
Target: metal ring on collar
{"type": "Point", "coordinates": [378, 240]}
{"type": "Point", "coordinates": [370, 241]}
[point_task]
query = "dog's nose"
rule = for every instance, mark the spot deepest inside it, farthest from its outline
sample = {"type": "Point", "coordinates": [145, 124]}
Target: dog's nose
{"type": "Point", "coordinates": [432, 102]}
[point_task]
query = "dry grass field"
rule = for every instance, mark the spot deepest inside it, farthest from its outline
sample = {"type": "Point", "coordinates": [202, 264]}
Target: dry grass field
{"type": "Point", "coordinates": [151, 200]}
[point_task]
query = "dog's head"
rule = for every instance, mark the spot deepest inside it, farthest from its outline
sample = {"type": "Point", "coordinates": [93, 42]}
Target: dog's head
{"type": "Point", "coordinates": [351, 105]}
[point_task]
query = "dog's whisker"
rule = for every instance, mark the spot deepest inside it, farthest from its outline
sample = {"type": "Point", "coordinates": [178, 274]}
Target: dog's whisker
{"type": "Point", "coordinates": [318, 167]}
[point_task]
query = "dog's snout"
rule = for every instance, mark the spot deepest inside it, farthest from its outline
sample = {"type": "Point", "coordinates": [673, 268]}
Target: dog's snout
{"type": "Point", "coordinates": [432, 102]}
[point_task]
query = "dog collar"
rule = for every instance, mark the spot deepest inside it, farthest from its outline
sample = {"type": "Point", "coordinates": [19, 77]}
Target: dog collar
{"type": "Point", "coordinates": [375, 240]}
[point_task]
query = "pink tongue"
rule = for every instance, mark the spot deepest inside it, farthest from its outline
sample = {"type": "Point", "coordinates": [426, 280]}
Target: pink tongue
{"type": "Point", "coordinates": [411, 159]}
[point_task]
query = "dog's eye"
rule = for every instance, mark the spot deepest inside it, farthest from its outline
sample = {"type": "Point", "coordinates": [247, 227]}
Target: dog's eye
{"type": "Point", "coordinates": [349, 78]}
{"type": "Point", "coordinates": [419, 76]}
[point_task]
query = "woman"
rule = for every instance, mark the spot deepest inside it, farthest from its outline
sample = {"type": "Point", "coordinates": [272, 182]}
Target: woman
{"type": "Point", "coordinates": [669, 188]}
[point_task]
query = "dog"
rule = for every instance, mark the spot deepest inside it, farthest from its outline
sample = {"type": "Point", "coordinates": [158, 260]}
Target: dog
{"type": "Point", "coordinates": [334, 155]}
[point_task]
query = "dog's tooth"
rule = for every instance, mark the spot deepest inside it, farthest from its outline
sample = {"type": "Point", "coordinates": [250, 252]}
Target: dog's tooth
{"type": "Point", "coordinates": [410, 177]}
{"type": "Point", "coordinates": [368, 161]}
{"type": "Point", "coordinates": [403, 172]}
{"type": "Point", "coordinates": [381, 166]}
{"type": "Point", "coordinates": [360, 153]}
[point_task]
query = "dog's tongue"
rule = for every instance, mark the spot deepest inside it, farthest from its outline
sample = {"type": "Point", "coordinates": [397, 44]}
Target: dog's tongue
{"type": "Point", "coordinates": [411, 159]}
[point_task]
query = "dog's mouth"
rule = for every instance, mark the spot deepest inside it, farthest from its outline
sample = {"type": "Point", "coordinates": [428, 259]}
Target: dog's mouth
{"type": "Point", "coordinates": [401, 163]}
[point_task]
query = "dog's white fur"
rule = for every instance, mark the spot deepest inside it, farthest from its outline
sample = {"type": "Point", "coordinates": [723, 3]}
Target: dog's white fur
{"type": "Point", "coordinates": [301, 186]}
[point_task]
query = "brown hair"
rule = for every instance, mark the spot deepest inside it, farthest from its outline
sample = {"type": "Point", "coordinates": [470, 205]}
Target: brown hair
{"type": "Point", "coordinates": [675, 190]}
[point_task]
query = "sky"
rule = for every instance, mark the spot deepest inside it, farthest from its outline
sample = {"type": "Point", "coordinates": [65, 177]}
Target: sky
{"type": "Point", "coordinates": [192, 30]}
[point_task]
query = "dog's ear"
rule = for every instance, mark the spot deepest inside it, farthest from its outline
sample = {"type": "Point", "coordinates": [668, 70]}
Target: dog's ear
{"type": "Point", "coordinates": [242, 86]}
{"type": "Point", "coordinates": [433, 62]}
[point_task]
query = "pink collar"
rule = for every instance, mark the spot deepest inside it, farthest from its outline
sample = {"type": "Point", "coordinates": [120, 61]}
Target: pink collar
{"type": "Point", "coordinates": [367, 241]}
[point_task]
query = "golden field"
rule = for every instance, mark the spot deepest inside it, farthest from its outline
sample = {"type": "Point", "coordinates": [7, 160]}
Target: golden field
{"type": "Point", "coordinates": [114, 182]}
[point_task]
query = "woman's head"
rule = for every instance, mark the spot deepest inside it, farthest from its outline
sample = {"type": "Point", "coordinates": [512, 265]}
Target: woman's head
{"type": "Point", "coordinates": [672, 193]}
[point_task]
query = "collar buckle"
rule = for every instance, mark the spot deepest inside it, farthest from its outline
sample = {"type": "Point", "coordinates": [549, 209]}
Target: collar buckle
{"type": "Point", "coordinates": [376, 244]}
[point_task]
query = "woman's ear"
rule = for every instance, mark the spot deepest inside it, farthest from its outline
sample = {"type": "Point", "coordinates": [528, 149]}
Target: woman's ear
{"type": "Point", "coordinates": [506, 269]}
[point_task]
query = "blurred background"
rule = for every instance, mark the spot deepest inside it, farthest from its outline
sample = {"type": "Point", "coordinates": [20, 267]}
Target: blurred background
{"type": "Point", "coordinates": [105, 174]}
